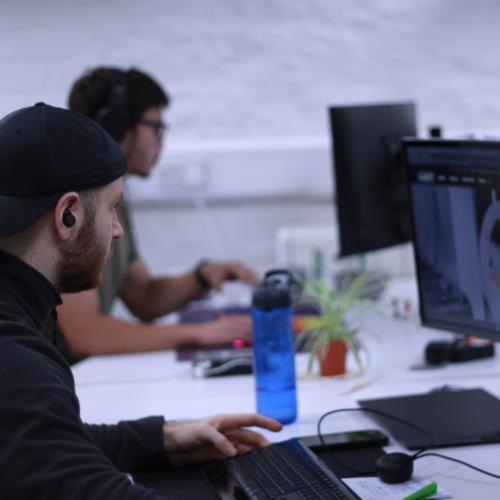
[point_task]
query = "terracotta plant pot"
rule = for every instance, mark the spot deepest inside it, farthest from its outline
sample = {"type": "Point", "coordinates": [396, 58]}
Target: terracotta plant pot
{"type": "Point", "coordinates": [334, 361]}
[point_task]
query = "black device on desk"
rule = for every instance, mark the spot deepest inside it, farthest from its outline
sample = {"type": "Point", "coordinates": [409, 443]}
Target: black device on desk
{"type": "Point", "coordinates": [346, 440]}
{"type": "Point", "coordinates": [452, 418]}
{"type": "Point", "coordinates": [222, 362]}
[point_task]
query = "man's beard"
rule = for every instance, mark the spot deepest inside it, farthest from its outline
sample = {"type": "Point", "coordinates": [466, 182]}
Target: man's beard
{"type": "Point", "coordinates": [82, 263]}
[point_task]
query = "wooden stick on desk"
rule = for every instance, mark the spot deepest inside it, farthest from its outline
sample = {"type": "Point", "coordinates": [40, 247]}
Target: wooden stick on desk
{"type": "Point", "coordinates": [360, 385]}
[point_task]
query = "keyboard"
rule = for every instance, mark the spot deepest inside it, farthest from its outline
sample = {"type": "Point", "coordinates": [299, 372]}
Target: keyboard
{"type": "Point", "coordinates": [284, 471]}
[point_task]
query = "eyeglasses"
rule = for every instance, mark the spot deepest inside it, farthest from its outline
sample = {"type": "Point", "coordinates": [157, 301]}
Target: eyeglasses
{"type": "Point", "coordinates": [159, 127]}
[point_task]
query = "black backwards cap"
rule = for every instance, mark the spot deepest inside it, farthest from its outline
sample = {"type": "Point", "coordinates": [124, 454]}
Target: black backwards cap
{"type": "Point", "coordinates": [46, 152]}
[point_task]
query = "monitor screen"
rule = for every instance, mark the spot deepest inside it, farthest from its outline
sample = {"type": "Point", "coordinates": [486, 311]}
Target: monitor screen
{"type": "Point", "coordinates": [372, 203]}
{"type": "Point", "coordinates": [454, 191]}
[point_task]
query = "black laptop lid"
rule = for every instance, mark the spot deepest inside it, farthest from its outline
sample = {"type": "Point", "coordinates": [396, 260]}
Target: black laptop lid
{"type": "Point", "coordinates": [451, 418]}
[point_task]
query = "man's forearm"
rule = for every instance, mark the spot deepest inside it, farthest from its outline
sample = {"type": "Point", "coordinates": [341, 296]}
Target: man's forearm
{"type": "Point", "coordinates": [132, 445]}
{"type": "Point", "coordinates": [165, 295]}
{"type": "Point", "coordinates": [105, 335]}
{"type": "Point", "coordinates": [160, 296]}
{"type": "Point", "coordinates": [149, 298]}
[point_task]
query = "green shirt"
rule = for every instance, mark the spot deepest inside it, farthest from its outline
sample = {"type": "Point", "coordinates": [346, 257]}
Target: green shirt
{"type": "Point", "coordinates": [113, 276]}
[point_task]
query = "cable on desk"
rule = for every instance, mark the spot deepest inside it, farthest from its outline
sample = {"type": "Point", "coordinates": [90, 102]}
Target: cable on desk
{"type": "Point", "coordinates": [460, 462]}
{"type": "Point", "coordinates": [415, 456]}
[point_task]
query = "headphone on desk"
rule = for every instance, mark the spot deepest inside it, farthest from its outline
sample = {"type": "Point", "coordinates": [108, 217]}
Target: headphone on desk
{"type": "Point", "coordinates": [115, 117]}
{"type": "Point", "coordinates": [393, 468]}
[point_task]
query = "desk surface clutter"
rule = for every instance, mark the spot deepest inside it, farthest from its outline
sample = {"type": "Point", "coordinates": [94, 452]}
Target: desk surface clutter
{"type": "Point", "coordinates": [130, 386]}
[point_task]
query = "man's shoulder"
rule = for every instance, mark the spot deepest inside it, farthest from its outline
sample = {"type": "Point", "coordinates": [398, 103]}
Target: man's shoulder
{"type": "Point", "coordinates": [27, 357]}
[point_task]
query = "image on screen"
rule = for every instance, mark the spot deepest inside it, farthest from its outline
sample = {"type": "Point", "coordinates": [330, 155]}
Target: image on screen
{"type": "Point", "coordinates": [455, 204]}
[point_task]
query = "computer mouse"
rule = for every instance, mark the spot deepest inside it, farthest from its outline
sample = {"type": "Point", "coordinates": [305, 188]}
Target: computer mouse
{"type": "Point", "coordinates": [394, 468]}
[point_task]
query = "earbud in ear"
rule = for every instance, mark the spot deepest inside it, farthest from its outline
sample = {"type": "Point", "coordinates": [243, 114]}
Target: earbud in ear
{"type": "Point", "coordinates": [394, 468]}
{"type": "Point", "coordinates": [68, 218]}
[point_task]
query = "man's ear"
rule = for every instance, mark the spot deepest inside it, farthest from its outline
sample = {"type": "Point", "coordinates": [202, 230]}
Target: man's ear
{"type": "Point", "coordinates": [126, 143]}
{"type": "Point", "coordinates": [68, 202]}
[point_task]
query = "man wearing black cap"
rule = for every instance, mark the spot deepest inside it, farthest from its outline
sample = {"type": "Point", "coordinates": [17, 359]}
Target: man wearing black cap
{"type": "Point", "coordinates": [60, 183]}
{"type": "Point", "coordinates": [129, 106]}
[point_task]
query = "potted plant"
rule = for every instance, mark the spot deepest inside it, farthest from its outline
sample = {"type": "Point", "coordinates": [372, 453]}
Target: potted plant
{"type": "Point", "coordinates": [341, 314]}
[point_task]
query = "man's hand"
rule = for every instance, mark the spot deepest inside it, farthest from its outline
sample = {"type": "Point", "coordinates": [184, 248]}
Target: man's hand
{"type": "Point", "coordinates": [226, 329]}
{"type": "Point", "coordinates": [216, 438]}
{"type": "Point", "coordinates": [216, 273]}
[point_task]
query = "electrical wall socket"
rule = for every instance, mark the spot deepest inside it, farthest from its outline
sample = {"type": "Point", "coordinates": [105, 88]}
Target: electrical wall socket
{"type": "Point", "coordinates": [195, 175]}
{"type": "Point", "coordinates": [185, 176]}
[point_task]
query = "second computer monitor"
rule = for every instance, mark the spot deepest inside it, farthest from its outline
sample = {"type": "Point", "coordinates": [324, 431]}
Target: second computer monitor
{"type": "Point", "coordinates": [455, 211]}
{"type": "Point", "coordinates": [370, 187]}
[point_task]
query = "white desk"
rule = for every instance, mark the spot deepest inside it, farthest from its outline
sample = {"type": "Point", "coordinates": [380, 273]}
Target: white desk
{"type": "Point", "coordinates": [121, 387]}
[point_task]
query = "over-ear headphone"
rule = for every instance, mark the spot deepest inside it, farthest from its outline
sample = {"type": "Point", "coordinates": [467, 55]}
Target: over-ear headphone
{"type": "Point", "coordinates": [115, 117]}
{"type": "Point", "coordinates": [68, 218]}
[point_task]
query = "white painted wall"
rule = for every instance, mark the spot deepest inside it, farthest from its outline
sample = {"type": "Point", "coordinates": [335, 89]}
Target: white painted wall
{"type": "Point", "coordinates": [257, 71]}
{"type": "Point", "coordinates": [236, 171]}
{"type": "Point", "coordinates": [242, 69]}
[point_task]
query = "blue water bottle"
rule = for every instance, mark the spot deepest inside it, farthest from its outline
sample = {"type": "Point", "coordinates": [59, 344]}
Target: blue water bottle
{"type": "Point", "coordinates": [273, 349]}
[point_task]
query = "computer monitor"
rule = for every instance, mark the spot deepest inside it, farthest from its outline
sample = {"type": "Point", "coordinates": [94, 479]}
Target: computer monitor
{"type": "Point", "coordinates": [372, 204]}
{"type": "Point", "coordinates": [454, 193]}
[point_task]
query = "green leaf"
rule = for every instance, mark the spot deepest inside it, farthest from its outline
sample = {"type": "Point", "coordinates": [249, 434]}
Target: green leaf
{"type": "Point", "coordinates": [342, 312]}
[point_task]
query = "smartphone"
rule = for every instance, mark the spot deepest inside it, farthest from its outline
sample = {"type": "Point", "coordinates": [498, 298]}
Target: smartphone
{"type": "Point", "coordinates": [346, 440]}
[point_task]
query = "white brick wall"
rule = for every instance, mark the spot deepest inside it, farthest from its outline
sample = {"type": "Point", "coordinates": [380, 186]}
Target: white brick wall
{"type": "Point", "coordinates": [263, 68]}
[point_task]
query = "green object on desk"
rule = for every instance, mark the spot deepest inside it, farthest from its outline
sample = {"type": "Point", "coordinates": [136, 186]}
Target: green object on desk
{"type": "Point", "coordinates": [423, 493]}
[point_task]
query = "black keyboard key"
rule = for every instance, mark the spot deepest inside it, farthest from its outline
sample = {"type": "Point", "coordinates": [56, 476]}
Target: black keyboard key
{"type": "Point", "coordinates": [278, 472]}
{"type": "Point", "coordinates": [307, 495]}
{"type": "Point", "coordinates": [294, 480]}
{"type": "Point", "coordinates": [247, 483]}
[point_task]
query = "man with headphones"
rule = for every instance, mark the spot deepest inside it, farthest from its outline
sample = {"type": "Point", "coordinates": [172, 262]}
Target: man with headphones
{"type": "Point", "coordinates": [129, 105]}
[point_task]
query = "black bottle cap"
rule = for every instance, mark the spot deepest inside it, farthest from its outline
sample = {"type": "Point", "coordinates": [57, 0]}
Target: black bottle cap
{"type": "Point", "coordinates": [272, 292]}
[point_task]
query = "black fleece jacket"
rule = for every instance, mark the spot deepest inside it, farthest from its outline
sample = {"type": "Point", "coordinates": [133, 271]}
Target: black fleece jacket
{"type": "Point", "coordinates": [46, 451]}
